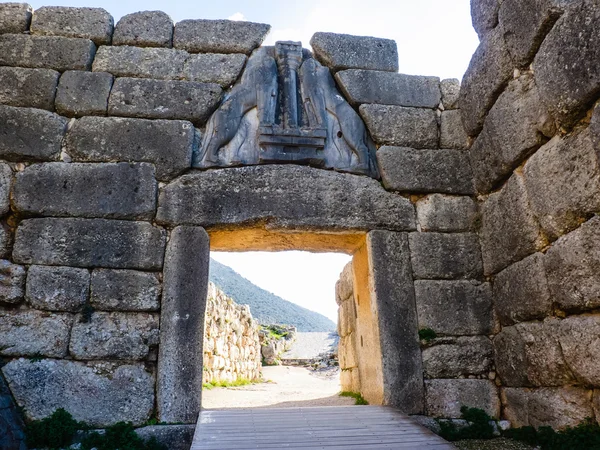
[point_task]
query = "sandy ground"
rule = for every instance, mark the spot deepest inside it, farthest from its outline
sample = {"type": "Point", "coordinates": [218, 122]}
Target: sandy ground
{"type": "Point", "coordinates": [311, 345]}
{"type": "Point", "coordinates": [286, 386]}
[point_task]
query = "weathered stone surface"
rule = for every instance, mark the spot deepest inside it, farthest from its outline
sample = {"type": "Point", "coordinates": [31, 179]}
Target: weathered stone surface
{"type": "Point", "coordinates": [438, 212]}
{"type": "Point", "coordinates": [112, 190]}
{"type": "Point", "coordinates": [484, 15]}
{"type": "Point", "coordinates": [34, 333]}
{"type": "Point", "coordinates": [6, 176]}
{"type": "Point", "coordinates": [423, 171]}
{"type": "Point", "coordinates": [12, 282]}
{"type": "Point", "coordinates": [95, 24]}
{"type": "Point", "coordinates": [521, 291]}
{"type": "Point", "coordinates": [15, 17]}
{"type": "Point", "coordinates": [445, 397]}
{"type": "Point", "coordinates": [392, 285]}
{"type": "Point", "coordinates": [83, 93]}
{"type": "Point", "coordinates": [554, 407]}
{"type": "Point", "coordinates": [30, 134]}
{"type": "Point", "coordinates": [114, 335]}
{"type": "Point", "coordinates": [214, 68]}
{"type": "Point", "coordinates": [404, 127]}
{"type": "Point", "coordinates": [125, 290]}
{"type": "Point", "coordinates": [11, 424]}
{"type": "Point", "coordinates": [285, 196]}
{"type": "Point", "coordinates": [460, 356]}
{"type": "Point", "coordinates": [91, 243]}
{"type": "Point", "coordinates": [168, 144]}
{"type": "Point", "coordinates": [572, 266]}
{"type": "Point", "coordinates": [452, 131]}
{"type": "Point", "coordinates": [489, 71]}
{"type": "Point", "coordinates": [144, 29]}
{"type": "Point", "coordinates": [219, 36]}
{"type": "Point", "coordinates": [173, 437]}
{"type": "Point", "coordinates": [53, 288]}
{"type": "Point", "coordinates": [345, 285]}
{"type": "Point", "coordinates": [98, 397]}
{"type": "Point", "coordinates": [529, 354]}
{"type": "Point", "coordinates": [578, 337]}
{"type": "Point", "coordinates": [509, 231]}
{"type": "Point", "coordinates": [344, 51]}
{"type": "Point", "coordinates": [450, 89]}
{"type": "Point", "coordinates": [563, 183]}
{"type": "Point", "coordinates": [33, 88]}
{"type": "Point", "coordinates": [46, 52]}
{"type": "Point", "coordinates": [455, 307]}
{"type": "Point", "coordinates": [388, 88]}
{"type": "Point", "coordinates": [179, 387]}
{"type": "Point", "coordinates": [159, 99]}
{"type": "Point", "coordinates": [445, 256]}
{"type": "Point", "coordinates": [566, 67]}
{"type": "Point", "coordinates": [6, 238]}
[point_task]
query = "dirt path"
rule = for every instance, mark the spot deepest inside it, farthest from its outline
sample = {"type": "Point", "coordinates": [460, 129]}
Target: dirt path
{"type": "Point", "coordinates": [310, 345]}
{"type": "Point", "coordinates": [287, 387]}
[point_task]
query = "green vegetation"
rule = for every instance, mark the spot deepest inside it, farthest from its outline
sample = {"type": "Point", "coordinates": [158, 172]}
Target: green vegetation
{"type": "Point", "coordinates": [427, 334]}
{"type": "Point", "coordinates": [226, 384]}
{"type": "Point", "coordinates": [356, 396]}
{"type": "Point", "coordinates": [120, 436]}
{"type": "Point", "coordinates": [275, 332]}
{"type": "Point", "coordinates": [479, 426]}
{"type": "Point", "coordinates": [36, 357]}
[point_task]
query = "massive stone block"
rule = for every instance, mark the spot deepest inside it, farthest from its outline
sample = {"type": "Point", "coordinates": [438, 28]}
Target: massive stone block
{"type": "Point", "coordinates": [344, 51]}
{"type": "Point", "coordinates": [158, 99]}
{"type": "Point", "coordinates": [452, 358]}
{"type": "Point", "coordinates": [6, 179]}
{"type": "Point", "coordinates": [445, 397]}
{"type": "Point", "coordinates": [445, 256]}
{"type": "Point", "coordinates": [168, 144]}
{"type": "Point", "coordinates": [563, 183]}
{"type": "Point", "coordinates": [219, 36]}
{"type": "Point", "coordinates": [125, 290]}
{"type": "Point", "coordinates": [89, 243]}
{"type": "Point", "coordinates": [400, 126]}
{"type": "Point", "coordinates": [174, 437]}
{"type": "Point", "coordinates": [578, 337]}
{"type": "Point", "coordinates": [15, 17]}
{"type": "Point", "coordinates": [144, 29]}
{"type": "Point", "coordinates": [89, 23]}
{"type": "Point", "coordinates": [99, 398]}
{"type": "Point", "coordinates": [484, 15]}
{"type": "Point", "coordinates": [13, 427]}
{"type": "Point", "coordinates": [214, 68]}
{"type": "Point", "coordinates": [452, 131]}
{"type": "Point", "coordinates": [83, 93]}
{"type": "Point", "coordinates": [33, 88]}
{"type": "Point", "coordinates": [284, 196]}
{"type": "Point", "coordinates": [455, 307]}
{"type": "Point", "coordinates": [424, 171]}
{"type": "Point", "coordinates": [450, 88]}
{"type": "Point", "coordinates": [445, 213]}
{"type": "Point", "coordinates": [12, 282]}
{"type": "Point", "coordinates": [34, 333]}
{"type": "Point", "coordinates": [30, 134]}
{"type": "Point", "coordinates": [46, 52]}
{"type": "Point", "coordinates": [117, 191]}
{"type": "Point", "coordinates": [53, 288]}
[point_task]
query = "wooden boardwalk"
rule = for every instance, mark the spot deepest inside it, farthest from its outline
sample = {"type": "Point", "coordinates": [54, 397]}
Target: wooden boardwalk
{"type": "Point", "coordinates": [328, 428]}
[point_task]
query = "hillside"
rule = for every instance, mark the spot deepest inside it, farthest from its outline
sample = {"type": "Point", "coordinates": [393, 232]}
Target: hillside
{"type": "Point", "coordinates": [266, 307]}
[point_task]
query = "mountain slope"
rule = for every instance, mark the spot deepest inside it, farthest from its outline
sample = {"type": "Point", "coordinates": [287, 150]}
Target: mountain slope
{"type": "Point", "coordinates": [266, 307]}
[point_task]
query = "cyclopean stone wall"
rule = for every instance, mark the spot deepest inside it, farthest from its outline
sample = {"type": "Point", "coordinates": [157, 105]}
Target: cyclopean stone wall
{"type": "Point", "coordinates": [347, 330]}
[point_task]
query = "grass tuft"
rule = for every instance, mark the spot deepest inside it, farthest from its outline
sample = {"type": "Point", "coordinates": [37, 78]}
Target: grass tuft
{"type": "Point", "coordinates": [356, 396]}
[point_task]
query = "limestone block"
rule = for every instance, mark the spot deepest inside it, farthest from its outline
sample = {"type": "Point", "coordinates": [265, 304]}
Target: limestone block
{"type": "Point", "coordinates": [489, 71]}
{"type": "Point", "coordinates": [83, 93]}
{"type": "Point", "coordinates": [445, 256]}
{"type": "Point", "coordinates": [423, 171]}
{"type": "Point", "coordinates": [114, 335]}
{"type": "Point", "coordinates": [578, 337]}
{"type": "Point", "coordinates": [454, 307]}
{"type": "Point", "coordinates": [521, 291]}
{"type": "Point", "coordinates": [572, 265]}
{"type": "Point", "coordinates": [168, 144]}
{"type": "Point", "coordinates": [388, 88]}
{"type": "Point", "coordinates": [91, 243]}
{"type": "Point", "coordinates": [450, 89]}
{"type": "Point", "coordinates": [144, 29]}
{"type": "Point", "coordinates": [30, 134]}
{"type": "Point", "coordinates": [452, 131]}
{"type": "Point", "coordinates": [15, 17]}
{"type": "Point", "coordinates": [6, 179]}
{"type": "Point", "coordinates": [445, 397]}
{"type": "Point", "coordinates": [126, 61]}
{"type": "Point", "coordinates": [509, 230]}
{"type": "Point", "coordinates": [287, 196]}
{"type": "Point", "coordinates": [344, 51]}
{"type": "Point", "coordinates": [345, 285]}
{"type": "Point", "coordinates": [554, 407]}
{"type": "Point", "coordinates": [160, 99]}
{"type": "Point", "coordinates": [460, 356]}
{"type": "Point", "coordinates": [34, 333]}
{"type": "Point", "coordinates": [400, 126]}
{"type": "Point", "coordinates": [33, 88]}
{"type": "Point", "coordinates": [46, 52]}
{"type": "Point", "coordinates": [12, 282]}
{"type": "Point", "coordinates": [563, 183]}
{"type": "Point", "coordinates": [95, 24]}
{"type": "Point", "coordinates": [98, 397]}
{"type": "Point", "coordinates": [173, 437]}
{"type": "Point", "coordinates": [118, 191]}
{"type": "Point", "coordinates": [214, 68]}
{"type": "Point", "coordinates": [54, 288]}
{"type": "Point", "coordinates": [484, 15]}
{"type": "Point", "coordinates": [125, 290]}
{"type": "Point", "coordinates": [566, 67]}
{"type": "Point", "coordinates": [219, 36]}
{"type": "Point", "coordinates": [445, 213]}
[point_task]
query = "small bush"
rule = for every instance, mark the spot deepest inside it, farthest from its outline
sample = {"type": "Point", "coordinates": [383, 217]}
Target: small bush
{"type": "Point", "coordinates": [427, 334]}
{"type": "Point", "coordinates": [55, 431]}
{"type": "Point", "coordinates": [585, 436]}
{"type": "Point", "coordinates": [120, 436]}
{"type": "Point", "coordinates": [479, 426]}
{"type": "Point", "coordinates": [359, 400]}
